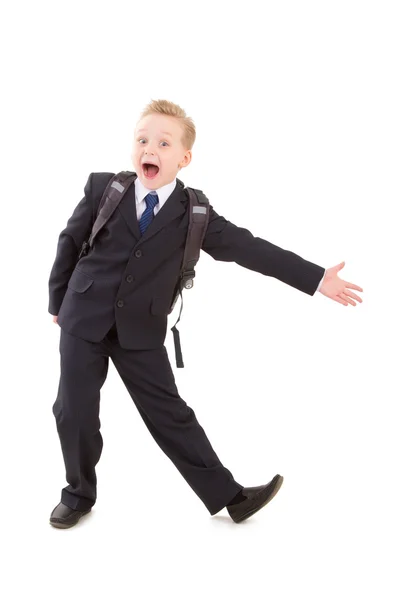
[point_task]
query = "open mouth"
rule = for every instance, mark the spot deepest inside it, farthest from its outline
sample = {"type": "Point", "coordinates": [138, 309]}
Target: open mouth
{"type": "Point", "coordinates": [150, 171]}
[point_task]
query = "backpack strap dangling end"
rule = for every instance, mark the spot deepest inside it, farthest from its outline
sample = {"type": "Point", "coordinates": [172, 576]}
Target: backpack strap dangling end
{"type": "Point", "coordinates": [177, 341]}
{"type": "Point", "coordinates": [178, 350]}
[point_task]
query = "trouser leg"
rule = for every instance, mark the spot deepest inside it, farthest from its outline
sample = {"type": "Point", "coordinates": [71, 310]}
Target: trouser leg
{"type": "Point", "coordinates": [148, 376]}
{"type": "Point", "coordinates": [84, 367]}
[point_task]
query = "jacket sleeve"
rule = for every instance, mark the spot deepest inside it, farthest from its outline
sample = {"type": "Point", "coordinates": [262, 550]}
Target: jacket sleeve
{"type": "Point", "coordinates": [227, 242]}
{"type": "Point", "coordinates": [70, 241]}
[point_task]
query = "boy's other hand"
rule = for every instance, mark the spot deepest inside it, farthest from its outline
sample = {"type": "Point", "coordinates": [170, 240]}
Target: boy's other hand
{"type": "Point", "coordinates": [55, 319]}
{"type": "Point", "coordinates": [335, 288]}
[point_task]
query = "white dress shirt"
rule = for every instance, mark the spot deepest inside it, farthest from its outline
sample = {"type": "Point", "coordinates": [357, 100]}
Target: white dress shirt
{"type": "Point", "coordinates": [141, 192]}
{"type": "Point", "coordinates": [163, 194]}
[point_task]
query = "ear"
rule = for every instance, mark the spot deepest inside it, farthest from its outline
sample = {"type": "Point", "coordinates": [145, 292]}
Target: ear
{"type": "Point", "coordinates": [186, 160]}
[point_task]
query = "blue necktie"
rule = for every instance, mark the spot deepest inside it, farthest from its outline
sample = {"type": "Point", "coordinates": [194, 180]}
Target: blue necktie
{"type": "Point", "coordinates": [148, 215]}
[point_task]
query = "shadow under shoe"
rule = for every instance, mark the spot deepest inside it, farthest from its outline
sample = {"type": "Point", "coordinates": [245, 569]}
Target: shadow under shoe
{"type": "Point", "coordinates": [63, 516]}
{"type": "Point", "coordinates": [256, 498]}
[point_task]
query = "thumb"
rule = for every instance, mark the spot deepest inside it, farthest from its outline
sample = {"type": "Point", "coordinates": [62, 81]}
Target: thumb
{"type": "Point", "coordinates": [340, 266]}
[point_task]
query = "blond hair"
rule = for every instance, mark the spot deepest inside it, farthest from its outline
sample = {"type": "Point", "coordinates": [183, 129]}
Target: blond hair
{"type": "Point", "coordinates": [170, 109]}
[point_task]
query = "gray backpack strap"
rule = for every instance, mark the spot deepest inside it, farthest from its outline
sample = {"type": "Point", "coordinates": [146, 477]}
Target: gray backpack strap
{"type": "Point", "coordinates": [199, 211]}
{"type": "Point", "coordinates": [114, 192]}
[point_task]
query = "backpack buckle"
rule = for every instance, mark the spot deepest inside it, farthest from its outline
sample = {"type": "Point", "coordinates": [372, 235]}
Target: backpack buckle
{"type": "Point", "coordinates": [187, 279]}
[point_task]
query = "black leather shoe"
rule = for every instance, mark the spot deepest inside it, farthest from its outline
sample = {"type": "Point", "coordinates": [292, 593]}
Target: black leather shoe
{"type": "Point", "coordinates": [257, 497]}
{"type": "Point", "coordinates": [63, 516]}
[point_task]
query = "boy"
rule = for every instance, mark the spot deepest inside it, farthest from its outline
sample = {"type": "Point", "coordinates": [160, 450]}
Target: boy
{"type": "Point", "coordinates": [114, 303]}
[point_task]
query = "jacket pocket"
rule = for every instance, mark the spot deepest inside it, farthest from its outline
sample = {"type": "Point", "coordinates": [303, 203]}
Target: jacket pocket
{"type": "Point", "coordinates": [79, 281]}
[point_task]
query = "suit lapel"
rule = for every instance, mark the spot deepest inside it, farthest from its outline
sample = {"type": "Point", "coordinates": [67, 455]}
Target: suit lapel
{"type": "Point", "coordinates": [174, 206]}
{"type": "Point", "coordinates": [127, 208]}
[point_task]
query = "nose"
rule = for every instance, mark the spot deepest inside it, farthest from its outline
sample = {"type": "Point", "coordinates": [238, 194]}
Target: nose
{"type": "Point", "coordinates": [149, 149]}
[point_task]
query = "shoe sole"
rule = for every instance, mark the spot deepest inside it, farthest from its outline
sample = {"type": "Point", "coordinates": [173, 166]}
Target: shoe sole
{"type": "Point", "coordinates": [68, 525]}
{"type": "Point", "coordinates": [257, 508]}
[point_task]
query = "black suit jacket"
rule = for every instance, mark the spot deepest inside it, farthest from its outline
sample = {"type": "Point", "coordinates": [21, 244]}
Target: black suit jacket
{"type": "Point", "coordinates": [130, 279]}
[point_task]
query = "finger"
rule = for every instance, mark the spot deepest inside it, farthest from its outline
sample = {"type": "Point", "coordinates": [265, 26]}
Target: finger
{"type": "Point", "coordinates": [338, 299]}
{"type": "Point", "coordinates": [347, 299]}
{"type": "Point", "coordinates": [353, 286]}
{"type": "Point", "coordinates": [351, 295]}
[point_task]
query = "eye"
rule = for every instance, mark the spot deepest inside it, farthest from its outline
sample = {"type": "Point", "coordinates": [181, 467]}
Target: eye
{"type": "Point", "coordinates": [140, 139]}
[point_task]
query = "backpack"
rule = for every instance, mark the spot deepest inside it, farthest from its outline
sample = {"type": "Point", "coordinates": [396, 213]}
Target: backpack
{"type": "Point", "coordinates": [199, 210]}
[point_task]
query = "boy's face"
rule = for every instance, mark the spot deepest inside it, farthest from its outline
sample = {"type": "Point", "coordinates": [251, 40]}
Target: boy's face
{"type": "Point", "coordinates": [158, 141]}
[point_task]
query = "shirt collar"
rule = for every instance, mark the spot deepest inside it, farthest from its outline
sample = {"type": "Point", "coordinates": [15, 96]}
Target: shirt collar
{"type": "Point", "coordinates": [163, 192]}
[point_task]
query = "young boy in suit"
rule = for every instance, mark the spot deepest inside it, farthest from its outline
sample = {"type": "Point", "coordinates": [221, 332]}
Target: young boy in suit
{"type": "Point", "coordinates": [114, 303]}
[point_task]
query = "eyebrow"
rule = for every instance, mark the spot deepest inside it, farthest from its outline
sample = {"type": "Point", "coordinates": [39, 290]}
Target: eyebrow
{"type": "Point", "coordinates": [165, 132]}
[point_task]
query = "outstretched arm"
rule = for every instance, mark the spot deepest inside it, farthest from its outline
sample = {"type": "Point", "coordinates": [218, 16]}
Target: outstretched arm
{"type": "Point", "coordinates": [227, 242]}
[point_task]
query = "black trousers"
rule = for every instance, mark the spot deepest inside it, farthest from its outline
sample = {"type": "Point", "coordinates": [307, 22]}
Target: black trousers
{"type": "Point", "coordinates": [149, 379]}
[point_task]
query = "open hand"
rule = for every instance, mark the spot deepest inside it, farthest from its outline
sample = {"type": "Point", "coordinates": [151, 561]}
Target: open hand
{"type": "Point", "coordinates": [337, 289]}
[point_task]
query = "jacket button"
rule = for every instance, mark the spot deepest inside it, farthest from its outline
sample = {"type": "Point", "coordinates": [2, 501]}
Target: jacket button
{"type": "Point", "coordinates": [120, 303]}
{"type": "Point", "coordinates": [138, 253]}
{"type": "Point", "coordinates": [129, 279]}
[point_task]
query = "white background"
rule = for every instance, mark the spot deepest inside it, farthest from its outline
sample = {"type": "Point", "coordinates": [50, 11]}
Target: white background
{"type": "Point", "coordinates": [296, 106]}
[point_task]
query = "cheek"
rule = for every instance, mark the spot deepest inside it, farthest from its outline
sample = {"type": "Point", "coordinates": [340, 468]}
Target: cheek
{"type": "Point", "coordinates": [171, 163]}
